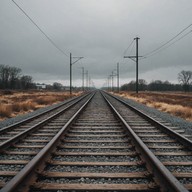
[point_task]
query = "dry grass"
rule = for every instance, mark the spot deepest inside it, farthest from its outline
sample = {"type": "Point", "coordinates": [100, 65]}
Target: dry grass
{"type": "Point", "coordinates": [23, 106]}
{"type": "Point", "coordinates": [178, 104]}
{"type": "Point", "coordinates": [15, 103]}
{"type": "Point", "coordinates": [5, 110]}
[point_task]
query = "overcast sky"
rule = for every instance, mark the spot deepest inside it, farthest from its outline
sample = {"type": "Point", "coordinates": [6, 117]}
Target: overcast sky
{"type": "Point", "coordinates": [98, 30]}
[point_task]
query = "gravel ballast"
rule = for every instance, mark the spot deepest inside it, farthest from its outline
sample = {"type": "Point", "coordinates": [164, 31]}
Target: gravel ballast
{"type": "Point", "coordinates": [175, 121]}
{"type": "Point", "coordinates": [19, 118]}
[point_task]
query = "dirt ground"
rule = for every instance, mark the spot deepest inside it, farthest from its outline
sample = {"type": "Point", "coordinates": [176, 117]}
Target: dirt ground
{"type": "Point", "coordinates": [175, 103]}
{"type": "Point", "coordinates": [13, 103]}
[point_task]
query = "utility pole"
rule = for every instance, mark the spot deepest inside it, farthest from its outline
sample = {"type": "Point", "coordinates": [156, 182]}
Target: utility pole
{"type": "Point", "coordinates": [108, 82]}
{"type": "Point", "coordinates": [118, 77]}
{"type": "Point", "coordinates": [112, 79]}
{"type": "Point", "coordinates": [89, 82]}
{"type": "Point", "coordinates": [86, 73]}
{"type": "Point", "coordinates": [70, 73]}
{"type": "Point", "coordinates": [71, 63]}
{"type": "Point", "coordinates": [83, 78]}
{"type": "Point", "coordinates": [133, 58]}
{"type": "Point", "coordinates": [136, 63]}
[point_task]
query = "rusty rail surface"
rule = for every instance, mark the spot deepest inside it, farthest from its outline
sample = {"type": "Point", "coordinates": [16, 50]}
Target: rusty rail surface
{"type": "Point", "coordinates": [99, 137]}
{"type": "Point", "coordinates": [22, 122]}
{"type": "Point", "coordinates": [31, 166]}
{"type": "Point", "coordinates": [179, 137]}
{"type": "Point", "coordinates": [163, 175]}
{"type": "Point", "coordinates": [31, 129]}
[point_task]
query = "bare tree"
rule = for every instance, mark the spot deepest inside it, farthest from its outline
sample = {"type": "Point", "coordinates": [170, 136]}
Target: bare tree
{"type": "Point", "coordinates": [10, 78]}
{"type": "Point", "coordinates": [185, 78]}
{"type": "Point", "coordinates": [142, 84]}
{"type": "Point", "coordinates": [4, 76]}
{"type": "Point", "coordinates": [26, 82]}
{"type": "Point", "coordinates": [14, 76]}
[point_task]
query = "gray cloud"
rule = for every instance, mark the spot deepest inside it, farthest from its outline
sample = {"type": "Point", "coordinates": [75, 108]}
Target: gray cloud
{"type": "Point", "coordinates": [99, 30]}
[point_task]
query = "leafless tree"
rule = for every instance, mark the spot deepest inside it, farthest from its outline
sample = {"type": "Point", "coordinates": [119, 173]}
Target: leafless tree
{"type": "Point", "coordinates": [4, 75]}
{"type": "Point", "coordinates": [26, 82]}
{"type": "Point", "coordinates": [14, 77]}
{"type": "Point", "coordinates": [10, 78]}
{"type": "Point", "coordinates": [185, 78]}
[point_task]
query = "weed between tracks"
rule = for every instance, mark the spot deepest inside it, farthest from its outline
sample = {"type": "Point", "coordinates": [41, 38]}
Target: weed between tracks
{"type": "Point", "coordinates": [15, 103]}
{"type": "Point", "coordinates": [178, 104]}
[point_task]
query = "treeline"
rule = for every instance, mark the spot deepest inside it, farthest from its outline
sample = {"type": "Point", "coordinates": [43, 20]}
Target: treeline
{"type": "Point", "coordinates": [184, 78]}
{"type": "Point", "coordinates": [12, 78]}
{"type": "Point", "coordinates": [156, 85]}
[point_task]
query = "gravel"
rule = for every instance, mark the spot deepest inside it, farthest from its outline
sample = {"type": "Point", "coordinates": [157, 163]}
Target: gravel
{"type": "Point", "coordinates": [97, 138]}
{"type": "Point", "coordinates": [96, 181]}
{"type": "Point", "coordinates": [96, 150]}
{"type": "Point", "coordinates": [154, 138]}
{"type": "Point", "coordinates": [96, 158]}
{"type": "Point", "coordinates": [5, 179]}
{"type": "Point", "coordinates": [175, 121]}
{"type": "Point", "coordinates": [187, 169]}
{"type": "Point", "coordinates": [96, 169]}
{"type": "Point", "coordinates": [175, 158]}
{"type": "Point", "coordinates": [29, 143]}
{"type": "Point", "coordinates": [168, 150]}
{"type": "Point", "coordinates": [24, 149]}
{"type": "Point", "coordinates": [94, 133]}
{"type": "Point", "coordinates": [97, 144]}
{"type": "Point", "coordinates": [11, 167]}
{"type": "Point", "coordinates": [15, 157]}
{"type": "Point", "coordinates": [185, 180]}
{"type": "Point", "coordinates": [10, 121]}
{"type": "Point", "coordinates": [165, 144]}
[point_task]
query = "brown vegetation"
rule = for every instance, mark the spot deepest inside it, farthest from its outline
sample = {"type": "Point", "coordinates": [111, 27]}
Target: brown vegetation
{"type": "Point", "coordinates": [13, 103]}
{"type": "Point", "coordinates": [178, 104]}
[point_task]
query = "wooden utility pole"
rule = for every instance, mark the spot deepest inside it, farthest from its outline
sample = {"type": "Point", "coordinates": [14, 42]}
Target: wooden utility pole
{"type": "Point", "coordinates": [108, 82]}
{"type": "Point", "coordinates": [112, 80]}
{"type": "Point", "coordinates": [83, 78]}
{"type": "Point", "coordinates": [71, 63]}
{"type": "Point", "coordinates": [86, 73]}
{"type": "Point", "coordinates": [70, 73]}
{"type": "Point", "coordinates": [118, 77]}
{"type": "Point", "coordinates": [133, 58]}
{"type": "Point", "coordinates": [137, 64]}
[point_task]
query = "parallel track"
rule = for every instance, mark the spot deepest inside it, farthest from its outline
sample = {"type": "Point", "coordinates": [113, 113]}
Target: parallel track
{"type": "Point", "coordinates": [11, 133]}
{"type": "Point", "coordinates": [169, 144]}
{"type": "Point", "coordinates": [26, 141]}
{"type": "Point", "coordinates": [103, 146]}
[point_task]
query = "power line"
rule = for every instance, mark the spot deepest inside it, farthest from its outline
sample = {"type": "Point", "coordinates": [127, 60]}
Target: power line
{"type": "Point", "coordinates": [160, 47]}
{"type": "Point", "coordinates": [121, 58]}
{"type": "Point", "coordinates": [132, 48]}
{"type": "Point", "coordinates": [48, 38]}
{"type": "Point", "coordinates": [168, 45]}
{"type": "Point", "coordinates": [128, 47]}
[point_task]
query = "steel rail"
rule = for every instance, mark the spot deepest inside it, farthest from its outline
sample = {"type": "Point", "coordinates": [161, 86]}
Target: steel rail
{"type": "Point", "coordinates": [37, 115]}
{"type": "Point", "coordinates": [15, 183]}
{"type": "Point", "coordinates": [21, 135]}
{"type": "Point", "coordinates": [181, 139]}
{"type": "Point", "coordinates": [162, 175]}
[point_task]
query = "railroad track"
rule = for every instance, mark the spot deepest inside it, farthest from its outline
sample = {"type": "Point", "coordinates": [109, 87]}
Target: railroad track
{"type": "Point", "coordinates": [169, 144]}
{"type": "Point", "coordinates": [21, 142]}
{"type": "Point", "coordinates": [23, 127]}
{"type": "Point", "coordinates": [102, 146]}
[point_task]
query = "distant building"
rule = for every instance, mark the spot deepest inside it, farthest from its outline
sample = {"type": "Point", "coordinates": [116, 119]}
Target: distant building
{"type": "Point", "coordinates": [41, 86]}
{"type": "Point", "coordinates": [65, 88]}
